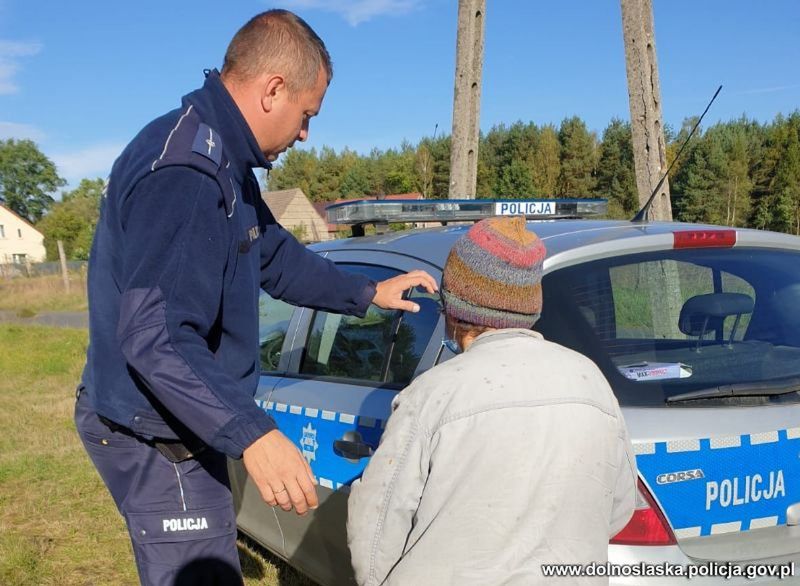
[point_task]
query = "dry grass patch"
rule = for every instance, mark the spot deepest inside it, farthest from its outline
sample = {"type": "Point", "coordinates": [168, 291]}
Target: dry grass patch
{"type": "Point", "coordinates": [31, 295]}
{"type": "Point", "coordinates": [58, 524]}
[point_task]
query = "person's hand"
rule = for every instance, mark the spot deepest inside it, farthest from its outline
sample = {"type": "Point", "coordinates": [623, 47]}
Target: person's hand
{"type": "Point", "coordinates": [389, 293]}
{"type": "Point", "coordinates": [281, 474]}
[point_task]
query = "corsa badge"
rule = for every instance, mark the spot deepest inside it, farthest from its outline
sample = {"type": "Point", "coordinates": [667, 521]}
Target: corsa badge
{"type": "Point", "coordinates": [672, 477]}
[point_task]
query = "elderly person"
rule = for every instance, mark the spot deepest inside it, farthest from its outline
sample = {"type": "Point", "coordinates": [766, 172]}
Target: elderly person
{"type": "Point", "coordinates": [511, 455]}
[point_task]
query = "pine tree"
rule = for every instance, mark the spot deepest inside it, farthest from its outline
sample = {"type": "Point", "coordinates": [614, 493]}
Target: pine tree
{"type": "Point", "coordinates": [616, 178]}
{"type": "Point", "coordinates": [578, 154]}
{"type": "Point", "coordinates": [693, 185]}
{"type": "Point", "coordinates": [547, 162]}
{"type": "Point", "coordinates": [787, 180]}
{"type": "Point", "coordinates": [516, 181]}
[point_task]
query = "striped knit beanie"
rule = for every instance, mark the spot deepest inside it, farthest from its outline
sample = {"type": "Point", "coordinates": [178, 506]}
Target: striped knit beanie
{"type": "Point", "coordinates": [493, 275]}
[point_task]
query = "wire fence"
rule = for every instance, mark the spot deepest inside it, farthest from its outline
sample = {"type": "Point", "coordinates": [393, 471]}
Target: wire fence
{"type": "Point", "coordinates": [40, 269]}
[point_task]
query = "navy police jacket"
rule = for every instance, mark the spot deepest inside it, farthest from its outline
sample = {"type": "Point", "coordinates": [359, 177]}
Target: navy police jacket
{"type": "Point", "coordinates": [183, 245]}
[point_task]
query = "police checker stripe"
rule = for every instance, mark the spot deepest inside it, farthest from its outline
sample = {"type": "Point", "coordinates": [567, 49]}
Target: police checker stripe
{"type": "Point", "coordinates": [731, 441]}
{"type": "Point", "coordinates": [688, 532]}
{"type": "Point", "coordinates": [764, 522]}
{"type": "Point", "coordinates": [314, 430]}
{"type": "Point", "coordinates": [723, 484]}
{"type": "Point", "coordinates": [732, 527]}
{"type": "Point", "coordinates": [312, 413]}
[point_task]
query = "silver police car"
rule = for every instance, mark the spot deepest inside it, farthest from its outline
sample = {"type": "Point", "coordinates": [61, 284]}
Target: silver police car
{"type": "Point", "coordinates": [697, 329]}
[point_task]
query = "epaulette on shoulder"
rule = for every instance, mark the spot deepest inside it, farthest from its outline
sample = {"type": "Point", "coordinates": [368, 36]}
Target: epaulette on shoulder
{"type": "Point", "coordinates": [193, 143]}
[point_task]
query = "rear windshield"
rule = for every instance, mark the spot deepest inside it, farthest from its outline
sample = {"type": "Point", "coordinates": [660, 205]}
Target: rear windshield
{"type": "Point", "coordinates": [664, 324]}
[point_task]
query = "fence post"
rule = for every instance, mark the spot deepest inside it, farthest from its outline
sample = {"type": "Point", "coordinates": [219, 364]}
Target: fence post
{"type": "Point", "coordinates": [63, 258]}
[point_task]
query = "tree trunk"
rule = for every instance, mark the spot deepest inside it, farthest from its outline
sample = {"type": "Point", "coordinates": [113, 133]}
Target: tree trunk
{"type": "Point", "coordinates": [644, 92]}
{"type": "Point", "coordinates": [467, 100]}
{"type": "Point", "coordinates": [650, 152]}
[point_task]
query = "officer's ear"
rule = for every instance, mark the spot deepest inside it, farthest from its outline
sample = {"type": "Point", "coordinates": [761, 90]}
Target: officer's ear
{"type": "Point", "coordinates": [272, 88]}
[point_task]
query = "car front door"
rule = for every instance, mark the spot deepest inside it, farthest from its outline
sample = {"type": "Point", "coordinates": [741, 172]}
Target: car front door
{"type": "Point", "coordinates": [277, 325]}
{"type": "Point", "coordinates": [335, 398]}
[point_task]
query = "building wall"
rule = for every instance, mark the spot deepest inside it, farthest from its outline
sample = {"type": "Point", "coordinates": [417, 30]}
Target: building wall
{"type": "Point", "coordinates": [17, 237]}
{"type": "Point", "coordinates": [301, 212]}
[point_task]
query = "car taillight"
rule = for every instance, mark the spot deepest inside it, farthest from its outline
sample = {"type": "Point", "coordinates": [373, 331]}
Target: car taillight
{"type": "Point", "coordinates": [648, 526]}
{"type": "Point", "coordinates": [704, 239]}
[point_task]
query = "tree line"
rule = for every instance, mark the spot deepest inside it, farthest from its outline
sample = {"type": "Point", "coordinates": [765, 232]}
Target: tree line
{"type": "Point", "coordinates": [739, 173]}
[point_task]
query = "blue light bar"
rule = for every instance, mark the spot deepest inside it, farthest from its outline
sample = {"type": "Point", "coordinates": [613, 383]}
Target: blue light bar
{"type": "Point", "coordinates": [460, 210]}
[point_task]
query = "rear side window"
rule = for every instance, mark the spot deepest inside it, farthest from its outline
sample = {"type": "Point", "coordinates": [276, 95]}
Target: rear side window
{"type": "Point", "coordinates": [667, 323]}
{"type": "Point", "coordinates": [382, 347]}
{"type": "Point", "coordinates": [273, 322]}
{"type": "Point", "coordinates": [648, 297]}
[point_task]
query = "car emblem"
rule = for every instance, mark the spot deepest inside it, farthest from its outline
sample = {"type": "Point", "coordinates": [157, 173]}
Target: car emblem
{"type": "Point", "coordinates": [308, 443]}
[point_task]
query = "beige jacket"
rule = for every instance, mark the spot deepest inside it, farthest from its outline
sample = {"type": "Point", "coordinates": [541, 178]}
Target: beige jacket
{"type": "Point", "coordinates": [508, 456]}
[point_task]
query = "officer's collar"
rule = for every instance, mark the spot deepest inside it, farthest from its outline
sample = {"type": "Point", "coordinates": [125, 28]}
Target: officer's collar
{"type": "Point", "coordinates": [217, 109]}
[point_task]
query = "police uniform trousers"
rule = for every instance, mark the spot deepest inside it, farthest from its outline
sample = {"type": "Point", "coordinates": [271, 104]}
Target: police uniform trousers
{"type": "Point", "coordinates": [180, 515]}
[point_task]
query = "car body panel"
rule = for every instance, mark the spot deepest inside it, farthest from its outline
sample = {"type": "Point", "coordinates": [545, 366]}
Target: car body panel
{"type": "Point", "coordinates": [748, 440]}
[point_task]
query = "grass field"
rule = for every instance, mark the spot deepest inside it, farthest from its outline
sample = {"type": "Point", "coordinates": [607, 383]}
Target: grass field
{"type": "Point", "coordinates": [31, 295]}
{"type": "Point", "coordinates": [58, 525]}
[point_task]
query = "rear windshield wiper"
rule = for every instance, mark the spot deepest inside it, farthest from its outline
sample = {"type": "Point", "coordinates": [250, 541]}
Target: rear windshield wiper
{"type": "Point", "coordinates": [751, 389]}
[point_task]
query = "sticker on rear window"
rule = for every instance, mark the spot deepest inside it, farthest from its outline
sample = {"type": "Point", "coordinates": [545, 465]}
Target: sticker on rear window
{"type": "Point", "coordinates": [646, 371]}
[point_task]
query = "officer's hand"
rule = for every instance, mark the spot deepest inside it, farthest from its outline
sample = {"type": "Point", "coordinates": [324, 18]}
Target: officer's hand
{"type": "Point", "coordinates": [389, 293]}
{"type": "Point", "coordinates": [281, 474]}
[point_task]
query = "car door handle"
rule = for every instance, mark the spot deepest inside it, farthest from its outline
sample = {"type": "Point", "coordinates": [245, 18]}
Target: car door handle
{"type": "Point", "coordinates": [352, 450]}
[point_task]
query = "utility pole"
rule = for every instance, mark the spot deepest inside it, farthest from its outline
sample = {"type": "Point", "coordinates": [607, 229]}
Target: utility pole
{"type": "Point", "coordinates": [467, 100]}
{"type": "Point", "coordinates": [63, 258]}
{"type": "Point", "coordinates": [644, 92]}
{"type": "Point", "coordinates": [650, 157]}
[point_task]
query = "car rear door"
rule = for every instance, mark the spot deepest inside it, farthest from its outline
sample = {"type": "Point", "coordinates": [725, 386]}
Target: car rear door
{"type": "Point", "coordinates": [335, 398]}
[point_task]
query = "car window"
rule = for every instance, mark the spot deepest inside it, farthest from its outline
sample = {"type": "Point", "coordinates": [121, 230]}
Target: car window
{"type": "Point", "coordinates": [347, 346]}
{"type": "Point", "coordinates": [662, 324]}
{"type": "Point", "coordinates": [382, 346]}
{"type": "Point", "coordinates": [273, 322]}
{"type": "Point", "coordinates": [351, 347]}
{"type": "Point", "coordinates": [648, 297]}
{"type": "Point", "coordinates": [413, 335]}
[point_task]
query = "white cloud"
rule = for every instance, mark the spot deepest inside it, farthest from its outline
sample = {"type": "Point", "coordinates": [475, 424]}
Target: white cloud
{"type": "Point", "coordinates": [10, 52]}
{"type": "Point", "coordinates": [18, 49]}
{"type": "Point", "coordinates": [87, 163]}
{"type": "Point", "coordinates": [20, 131]}
{"type": "Point", "coordinates": [770, 90]}
{"type": "Point", "coordinates": [357, 11]}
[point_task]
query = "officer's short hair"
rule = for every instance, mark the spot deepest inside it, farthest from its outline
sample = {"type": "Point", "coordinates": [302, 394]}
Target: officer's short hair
{"type": "Point", "coordinates": [278, 41]}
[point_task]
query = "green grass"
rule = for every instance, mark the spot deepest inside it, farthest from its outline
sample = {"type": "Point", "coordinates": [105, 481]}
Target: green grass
{"type": "Point", "coordinates": [58, 524]}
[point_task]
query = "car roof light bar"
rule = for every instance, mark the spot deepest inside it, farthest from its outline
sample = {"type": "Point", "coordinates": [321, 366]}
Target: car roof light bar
{"type": "Point", "coordinates": [358, 213]}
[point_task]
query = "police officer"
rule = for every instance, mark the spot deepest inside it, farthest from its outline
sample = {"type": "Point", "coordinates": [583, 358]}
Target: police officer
{"type": "Point", "coordinates": [183, 244]}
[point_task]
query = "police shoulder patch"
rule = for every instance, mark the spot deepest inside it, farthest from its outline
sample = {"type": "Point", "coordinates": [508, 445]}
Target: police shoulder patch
{"type": "Point", "coordinates": [208, 143]}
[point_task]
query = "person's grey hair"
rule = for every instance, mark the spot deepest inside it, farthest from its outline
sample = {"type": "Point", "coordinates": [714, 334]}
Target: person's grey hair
{"type": "Point", "coordinates": [277, 41]}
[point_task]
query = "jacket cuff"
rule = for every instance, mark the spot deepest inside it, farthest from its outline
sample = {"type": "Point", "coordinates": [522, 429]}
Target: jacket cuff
{"type": "Point", "coordinates": [364, 300]}
{"type": "Point", "coordinates": [241, 432]}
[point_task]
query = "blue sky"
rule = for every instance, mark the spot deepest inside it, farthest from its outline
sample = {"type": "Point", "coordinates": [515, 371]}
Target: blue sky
{"type": "Point", "coordinates": [80, 78]}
